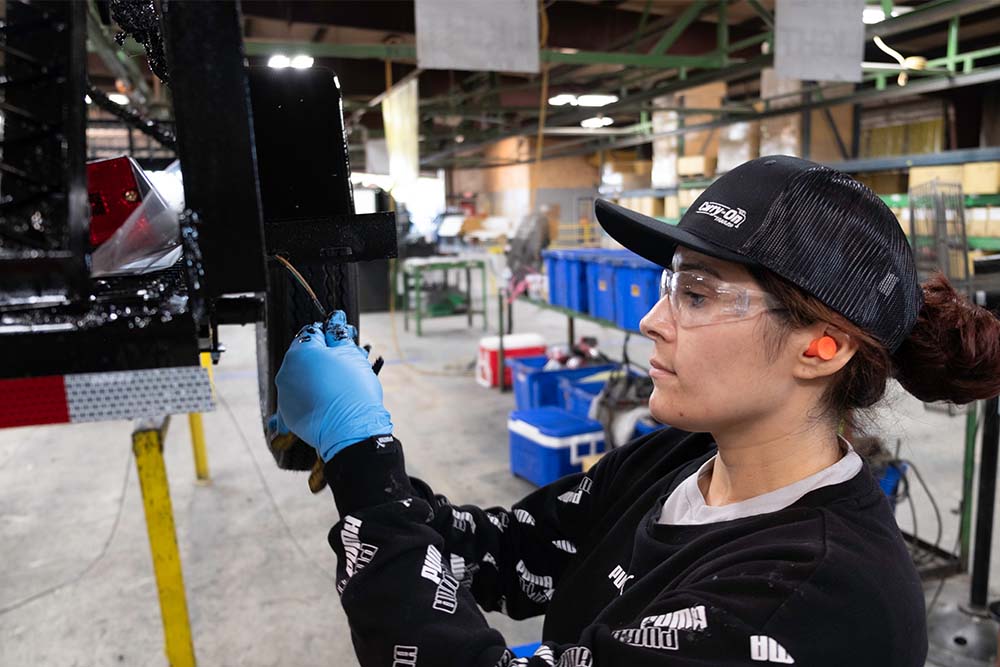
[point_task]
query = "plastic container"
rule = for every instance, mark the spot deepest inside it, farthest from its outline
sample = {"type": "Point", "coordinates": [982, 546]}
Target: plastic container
{"type": "Point", "coordinates": [536, 388]}
{"type": "Point", "coordinates": [555, 269]}
{"type": "Point", "coordinates": [642, 427]}
{"type": "Point", "coordinates": [601, 267]}
{"type": "Point", "coordinates": [574, 265]}
{"type": "Point", "coordinates": [549, 443]}
{"type": "Point", "coordinates": [577, 396]}
{"type": "Point", "coordinates": [637, 288]}
{"type": "Point", "coordinates": [514, 347]}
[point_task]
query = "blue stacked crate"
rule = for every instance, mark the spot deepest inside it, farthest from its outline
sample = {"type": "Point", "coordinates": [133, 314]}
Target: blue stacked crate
{"type": "Point", "coordinates": [549, 443]}
{"type": "Point", "coordinates": [637, 288]}
{"type": "Point", "coordinates": [601, 266]}
{"type": "Point", "coordinates": [574, 264]}
{"type": "Point", "coordinates": [555, 270]}
{"type": "Point", "coordinates": [535, 387]}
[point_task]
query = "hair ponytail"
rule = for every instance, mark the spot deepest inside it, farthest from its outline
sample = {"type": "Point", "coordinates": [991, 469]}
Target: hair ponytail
{"type": "Point", "coordinates": [953, 352]}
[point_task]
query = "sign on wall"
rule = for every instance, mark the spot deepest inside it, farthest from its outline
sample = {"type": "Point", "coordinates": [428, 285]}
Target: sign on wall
{"type": "Point", "coordinates": [479, 36]}
{"type": "Point", "coordinates": [821, 40]}
{"type": "Point", "coordinates": [400, 117]}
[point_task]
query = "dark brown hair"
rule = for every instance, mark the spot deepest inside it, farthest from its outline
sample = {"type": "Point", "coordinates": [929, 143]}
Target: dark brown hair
{"type": "Point", "coordinates": [952, 354]}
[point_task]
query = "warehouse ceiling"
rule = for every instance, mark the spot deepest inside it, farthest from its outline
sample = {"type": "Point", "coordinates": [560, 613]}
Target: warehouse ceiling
{"type": "Point", "coordinates": [634, 49]}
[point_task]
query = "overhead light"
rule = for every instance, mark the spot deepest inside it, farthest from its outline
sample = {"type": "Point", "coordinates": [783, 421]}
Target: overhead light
{"type": "Point", "coordinates": [596, 122]}
{"type": "Point", "coordinates": [118, 98]}
{"type": "Point", "coordinates": [86, 98]}
{"type": "Point", "coordinates": [874, 13]}
{"type": "Point", "coordinates": [596, 100]}
{"type": "Point", "coordinates": [562, 99]}
{"type": "Point", "coordinates": [278, 61]}
{"type": "Point", "coordinates": [302, 61]}
{"type": "Point", "coordinates": [459, 138]}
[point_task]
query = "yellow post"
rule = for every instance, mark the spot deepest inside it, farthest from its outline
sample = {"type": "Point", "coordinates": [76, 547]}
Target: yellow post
{"type": "Point", "coordinates": [198, 430]}
{"type": "Point", "coordinates": [147, 444]}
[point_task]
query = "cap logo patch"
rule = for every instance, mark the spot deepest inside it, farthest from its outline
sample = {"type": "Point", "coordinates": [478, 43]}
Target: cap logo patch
{"type": "Point", "coordinates": [722, 214]}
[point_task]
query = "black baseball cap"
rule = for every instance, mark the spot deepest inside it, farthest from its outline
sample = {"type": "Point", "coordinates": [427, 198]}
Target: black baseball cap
{"type": "Point", "coordinates": [816, 227]}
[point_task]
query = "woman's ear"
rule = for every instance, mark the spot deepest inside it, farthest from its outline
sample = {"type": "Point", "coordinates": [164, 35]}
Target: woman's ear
{"type": "Point", "coordinates": [817, 357]}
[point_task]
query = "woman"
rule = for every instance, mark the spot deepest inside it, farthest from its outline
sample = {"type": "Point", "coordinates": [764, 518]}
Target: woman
{"type": "Point", "coordinates": [747, 533]}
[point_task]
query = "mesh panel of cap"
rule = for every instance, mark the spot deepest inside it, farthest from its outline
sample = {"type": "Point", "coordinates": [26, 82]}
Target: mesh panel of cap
{"type": "Point", "coordinates": [835, 239]}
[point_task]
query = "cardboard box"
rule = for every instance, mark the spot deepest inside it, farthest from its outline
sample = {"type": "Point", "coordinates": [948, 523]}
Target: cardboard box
{"type": "Point", "coordinates": [696, 165]}
{"type": "Point", "coordinates": [976, 221]}
{"type": "Point", "coordinates": [705, 96]}
{"type": "Point", "coordinates": [951, 173]}
{"type": "Point", "coordinates": [651, 206]}
{"type": "Point", "coordinates": [981, 178]}
{"type": "Point", "coordinates": [738, 143]}
{"type": "Point", "coordinates": [885, 182]}
{"type": "Point", "coordinates": [781, 135]}
{"type": "Point", "coordinates": [686, 196]}
{"type": "Point", "coordinates": [671, 207]}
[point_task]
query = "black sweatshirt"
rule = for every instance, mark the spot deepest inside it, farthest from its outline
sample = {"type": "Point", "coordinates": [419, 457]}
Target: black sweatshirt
{"type": "Point", "coordinates": [825, 581]}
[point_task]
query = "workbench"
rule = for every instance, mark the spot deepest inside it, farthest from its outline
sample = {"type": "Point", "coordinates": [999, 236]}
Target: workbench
{"type": "Point", "coordinates": [414, 271]}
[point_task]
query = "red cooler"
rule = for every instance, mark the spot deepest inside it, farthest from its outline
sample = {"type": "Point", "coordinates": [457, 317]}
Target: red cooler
{"type": "Point", "coordinates": [514, 345]}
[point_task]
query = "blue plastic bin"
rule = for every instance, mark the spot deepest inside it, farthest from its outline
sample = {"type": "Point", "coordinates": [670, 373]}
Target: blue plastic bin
{"type": "Point", "coordinates": [574, 265]}
{"type": "Point", "coordinates": [601, 267]}
{"type": "Point", "coordinates": [888, 480]}
{"type": "Point", "coordinates": [535, 388]}
{"type": "Point", "coordinates": [549, 443]}
{"type": "Point", "coordinates": [577, 396]}
{"type": "Point", "coordinates": [555, 269]}
{"type": "Point", "coordinates": [637, 287]}
{"type": "Point", "coordinates": [642, 428]}
{"type": "Point", "coordinates": [567, 271]}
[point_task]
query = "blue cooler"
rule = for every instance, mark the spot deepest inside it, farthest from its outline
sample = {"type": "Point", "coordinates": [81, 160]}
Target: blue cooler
{"type": "Point", "coordinates": [637, 286]}
{"type": "Point", "coordinates": [549, 443]}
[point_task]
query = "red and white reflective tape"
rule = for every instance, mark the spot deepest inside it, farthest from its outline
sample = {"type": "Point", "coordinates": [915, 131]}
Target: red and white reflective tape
{"type": "Point", "coordinates": [90, 397]}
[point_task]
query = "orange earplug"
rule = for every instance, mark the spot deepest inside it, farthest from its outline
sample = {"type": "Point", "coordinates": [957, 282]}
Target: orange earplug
{"type": "Point", "coordinates": [824, 348]}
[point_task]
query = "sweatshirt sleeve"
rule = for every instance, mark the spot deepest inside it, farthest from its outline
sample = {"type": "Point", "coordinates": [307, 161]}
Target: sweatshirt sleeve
{"type": "Point", "coordinates": [408, 606]}
{"type": "Point", "coordinates": [510, 560]}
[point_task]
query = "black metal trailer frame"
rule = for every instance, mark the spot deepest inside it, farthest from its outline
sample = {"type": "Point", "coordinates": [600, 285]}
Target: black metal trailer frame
{"type": "Point", "coordinates": [266, 172]}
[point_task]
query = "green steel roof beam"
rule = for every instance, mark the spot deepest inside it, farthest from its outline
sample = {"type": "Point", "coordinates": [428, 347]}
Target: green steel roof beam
{"type": "Point", "coordinates": [762, 12]}
{"type": "Point", "coordinates": [722, 32]}
{"type": "Point", "coordinates": [710, 60]}
{"type": "Point", "coordinates": [408, 52]}
{"type": "Point", "coordinates": [686, 18]}
{"type": "Point", "coordinates": [952, 43]}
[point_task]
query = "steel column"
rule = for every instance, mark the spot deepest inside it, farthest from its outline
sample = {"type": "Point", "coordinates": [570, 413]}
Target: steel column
{"type": "Point", "coordinates": [147, 445]}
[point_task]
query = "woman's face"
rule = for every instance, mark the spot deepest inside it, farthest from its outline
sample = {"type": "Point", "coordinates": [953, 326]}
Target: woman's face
{"type": "Point", "coordinates": [715, 376]}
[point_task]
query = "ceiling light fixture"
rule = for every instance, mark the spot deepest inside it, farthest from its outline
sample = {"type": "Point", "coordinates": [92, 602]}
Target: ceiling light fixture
{"type": "Point", "coordinates": [562, 99]}
{"type": "Point", "coordinates": [874, 14]}
{"type": "Point", "coordinates": [596, 100]}
{"type": "Point", "coordinates": [118, 98]}
{"type": "Point", "coordinates": [596, 122]}
{"type": "Point", "coordinates": [302, 61]}
{"type": "Point", "coordinates": [278, 61]}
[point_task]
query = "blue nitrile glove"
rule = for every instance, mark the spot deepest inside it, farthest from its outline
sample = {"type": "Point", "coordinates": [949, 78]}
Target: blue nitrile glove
{"type": "Point", "coordinates": [327, 392]}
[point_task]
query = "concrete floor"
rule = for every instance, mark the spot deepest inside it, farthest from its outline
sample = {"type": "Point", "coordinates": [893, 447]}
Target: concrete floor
{"type": "Point", "coordinates": [76, 584]}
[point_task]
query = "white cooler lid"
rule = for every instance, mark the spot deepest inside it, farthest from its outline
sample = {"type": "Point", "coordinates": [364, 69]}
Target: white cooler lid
{"type": "Point", "coordinates": [512, 341]}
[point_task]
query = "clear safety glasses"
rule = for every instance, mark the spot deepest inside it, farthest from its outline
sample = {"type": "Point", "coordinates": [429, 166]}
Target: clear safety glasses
{"type": "Point", "coordinates": [697, 300]}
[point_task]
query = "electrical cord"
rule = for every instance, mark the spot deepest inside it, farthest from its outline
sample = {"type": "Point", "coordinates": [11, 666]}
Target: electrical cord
{"type": "Point", "coordinates": [304, 283]}
{"type": "Point", "coordinates": [267, 489]}
{"type": "Point", "coordinates": [93, 563]}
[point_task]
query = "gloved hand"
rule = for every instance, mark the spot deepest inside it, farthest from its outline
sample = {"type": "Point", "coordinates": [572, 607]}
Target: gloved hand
{"type": "Point", "coordinates": [328, 394]}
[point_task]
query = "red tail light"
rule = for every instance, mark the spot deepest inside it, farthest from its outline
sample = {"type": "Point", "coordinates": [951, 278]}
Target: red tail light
{"type": "Point", "coordinates": [115, 187]}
